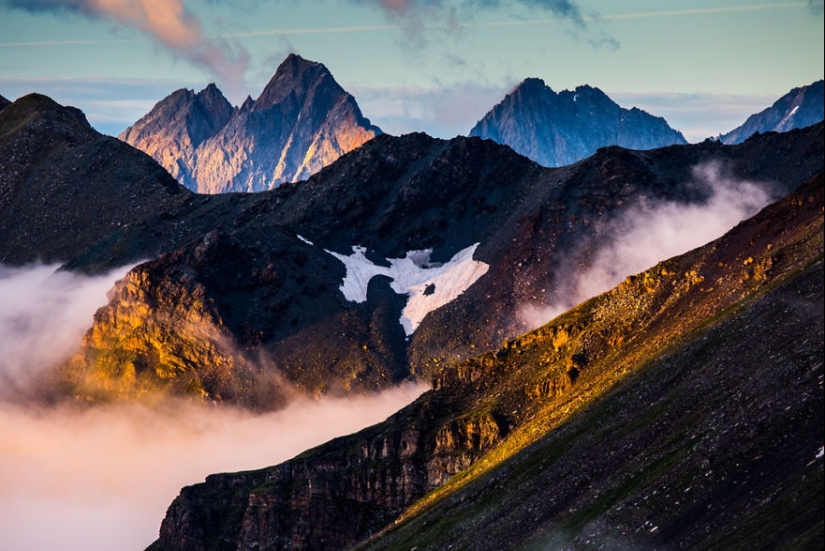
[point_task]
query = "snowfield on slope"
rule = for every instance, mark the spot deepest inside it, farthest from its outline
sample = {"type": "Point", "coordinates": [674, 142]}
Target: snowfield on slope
{"type": "Point", "coordinates": [428, 286]}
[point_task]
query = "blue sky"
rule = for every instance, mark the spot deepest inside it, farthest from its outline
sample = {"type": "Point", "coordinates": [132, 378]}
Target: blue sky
{"type": "Point", "coordinates": [431, 65]}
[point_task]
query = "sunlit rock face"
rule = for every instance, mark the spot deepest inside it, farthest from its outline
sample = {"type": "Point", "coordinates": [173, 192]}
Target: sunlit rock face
{"type": "Point", "coordinates": [302, 121]}
{"type": "Point", "coordinates": [561, 129]}
{"type": "Point", "coordinates": [177, 125]}
{"type": "Point", "coordinates": [798, 108]}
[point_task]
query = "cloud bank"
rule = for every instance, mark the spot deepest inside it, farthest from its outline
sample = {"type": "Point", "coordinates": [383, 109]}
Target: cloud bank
{"type": "Point", "coordinates": [168, 22]}
{"type": "Point", "coordinates": [44, 316]}
{"type": "Point", "coordinates": [650, 232]}
{"type": "Point", "coordinates": [102, 478]}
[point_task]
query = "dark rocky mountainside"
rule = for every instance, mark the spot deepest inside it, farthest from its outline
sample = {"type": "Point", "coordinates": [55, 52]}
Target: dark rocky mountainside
{"type": "Point", "coordinates": [177, 125]}
{"type": "Point", "coordinates": [244, 300]}
{"type": "Point", "coordinates": [682, 409]}
{"type": "Point", "coordinates": [302, 121]}
{"type": "Point", "coordinates": [4, 102]}
{"type": "Point", "coordinates": [798, 108]}
{"type": "Point", "coordinates": [561, 129]}
{"type": "Point", "coordinates": [65, 189]}
{"type": "Point", "coordinates": [392, 196]}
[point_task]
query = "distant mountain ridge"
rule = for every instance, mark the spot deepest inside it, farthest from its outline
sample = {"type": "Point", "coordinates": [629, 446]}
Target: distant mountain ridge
{"type": "Point", "coordinates": [302, 121]}
{"type": "Point", "coordinates": [4, 102]}
{"type": "Point", "coordinates": [561, 129]}
{"type": "Point", "coordinates": [798, 108]}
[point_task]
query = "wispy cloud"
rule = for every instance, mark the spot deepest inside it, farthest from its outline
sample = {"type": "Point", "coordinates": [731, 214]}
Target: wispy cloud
{"type": "Point", "coordinates": [703, 11]}
{"type": "Point", "coordinates": [649, 232]}
{"type": "Point", "coordinates": [166, 21]}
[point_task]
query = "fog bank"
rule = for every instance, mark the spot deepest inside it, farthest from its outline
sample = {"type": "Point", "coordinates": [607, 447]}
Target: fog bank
{"type": "Point", "coordinates": [101, 479]}
{"type": "Point", "coordinates": [650, 232]}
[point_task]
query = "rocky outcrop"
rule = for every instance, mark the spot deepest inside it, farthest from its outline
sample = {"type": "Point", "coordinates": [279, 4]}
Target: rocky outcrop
{"type": "Point", "coordinates": [176, 126]}
{"type": "Point", "coordinates": [798, 108]}
{"type": "Point", "coordinates": [302, 121]}
{"type": "Point", "coordinates": [658, 361]}
{"type": "Point", "coordinates": [560, 129]}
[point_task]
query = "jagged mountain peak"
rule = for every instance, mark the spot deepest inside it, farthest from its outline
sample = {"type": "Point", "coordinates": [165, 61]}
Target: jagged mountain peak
{"type": "Point", "coordinates": [798, 108]}
{"type": "Point", "coordinates": [177, 125]}
{"type": "Point", "coordinates": [247, 104]}
{"type": "Point", "coordinates": [302, 121]}
{"type": "Point", "coordinates": [531, 85]}
{"type": "Point", "coordinates": [298, 76]}
{"type": "Point", "coordinates": [561, 129]}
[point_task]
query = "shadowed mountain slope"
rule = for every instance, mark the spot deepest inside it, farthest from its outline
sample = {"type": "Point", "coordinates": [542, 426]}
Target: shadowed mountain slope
{"type": "Point", "coordinates": [302, 121]}
{"type": "Point", "coordinates": [4, 102]}
{"type": "Point", "coordinates": [682, 409]}
{"type": "Point", "coordinates": [65, 189]}
{"type": "Point", "coordinates": [798, 108]}
{"type": "Point", "coordinates": [561, 129]}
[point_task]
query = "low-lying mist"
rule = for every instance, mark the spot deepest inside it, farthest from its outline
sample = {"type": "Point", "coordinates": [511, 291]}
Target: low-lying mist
{"type": "Point", "coordinates": [101, 478]}
{"type": "Point", "coordinates": [650, 232]}
{"type": "Point", "coordinates": [44, 314]}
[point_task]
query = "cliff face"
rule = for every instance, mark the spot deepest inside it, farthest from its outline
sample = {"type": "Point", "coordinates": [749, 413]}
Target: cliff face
{"type": "Point", "coordinates": [172, 131]}
{"type": "Point", "coordinates": [798, 108]}
{"type": "Point", "coordinates": [647, 370]}
{"type": "Point", "coordinates": [302, 121]}
{"type": "Point", "coordinates": [561, 129]}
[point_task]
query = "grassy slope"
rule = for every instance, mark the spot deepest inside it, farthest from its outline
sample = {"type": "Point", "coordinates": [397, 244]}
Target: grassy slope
{"type": "Point", "coordinates": [712, 438]}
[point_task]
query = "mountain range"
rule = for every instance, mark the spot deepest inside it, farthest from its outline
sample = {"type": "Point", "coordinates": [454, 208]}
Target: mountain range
{"type": "Point", "coordinates": [302, 121]}
{"type": "Point", "coordinates": [682, 408]}
{"type": "Point", "coordinates": [798, 108]}
{"type": "Point", "coordinates": [561, 129]}
{"type": "Point", "coordinates": [245, 291]}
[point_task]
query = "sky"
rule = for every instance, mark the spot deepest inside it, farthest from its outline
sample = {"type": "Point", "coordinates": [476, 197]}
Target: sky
{"type": "Point", "coordinates": [418, 65]}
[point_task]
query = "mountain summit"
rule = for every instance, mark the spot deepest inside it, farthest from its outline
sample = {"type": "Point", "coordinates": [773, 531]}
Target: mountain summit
{"type": "Point", "coordinates": [561, 129]}
{"type": "Point", "coordinates": [798, 108]}
{"type": "Point", "coordinates": [302, 121]}
{"type": "Point", "coordinates": [177, 125]}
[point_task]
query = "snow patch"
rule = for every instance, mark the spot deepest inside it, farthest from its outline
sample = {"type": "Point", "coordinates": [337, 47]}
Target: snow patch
{"type": "Point", "coordinates": [305, 240]}
{"type": "Point", "coordinates": [786, 123]}
{"type": "Point", "coordinates": [429, 286]}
